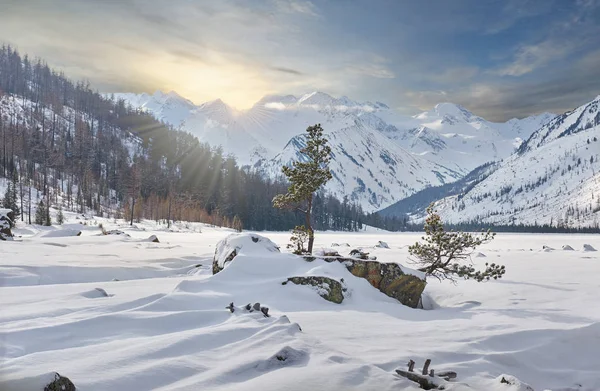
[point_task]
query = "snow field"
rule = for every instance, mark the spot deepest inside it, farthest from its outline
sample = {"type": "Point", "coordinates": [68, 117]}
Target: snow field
{"type": "Point", "coordinates": [164, 324]}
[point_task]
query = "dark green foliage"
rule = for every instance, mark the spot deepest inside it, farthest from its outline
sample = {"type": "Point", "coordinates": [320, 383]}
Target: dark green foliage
{"type": "Point", "coordinates": [443, 253]}
{"type": "Point", "coordinates": [298, 240]}
{"type": "Point", "coordinates": [305, 178]}
{"type": "Point", "coordinates": [60, 217]}
{"type": "Point", "coordinates": [42, 214]}
{"type": "Point", "coordinates": [10, 200]}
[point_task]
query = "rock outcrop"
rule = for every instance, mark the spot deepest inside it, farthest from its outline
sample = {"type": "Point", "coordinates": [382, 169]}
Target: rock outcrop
{"type": "Point", "coordinates": [389, 278]}
{"type": "Point", "coordinates": [60, 383]}
{"type": "Point", "coordinates": [7, 217]}
{"type": "Point", "coordinates": [228, 248]}
{"type": "Point", "coordinates": [329, 289]}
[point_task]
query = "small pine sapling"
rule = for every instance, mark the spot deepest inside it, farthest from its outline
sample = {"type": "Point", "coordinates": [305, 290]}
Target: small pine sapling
{"type": "Point", "coordinates": [444, 254]}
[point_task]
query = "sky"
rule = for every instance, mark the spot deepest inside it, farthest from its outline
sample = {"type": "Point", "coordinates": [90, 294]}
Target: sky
{"type": "Point", "coordinates": [498, 58]}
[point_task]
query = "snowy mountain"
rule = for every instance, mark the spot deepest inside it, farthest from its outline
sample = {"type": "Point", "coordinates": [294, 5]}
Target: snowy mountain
{"type": "Point", "coordinates": [379, 157]}
{"type": "Point", "coordinates": [553, 178]}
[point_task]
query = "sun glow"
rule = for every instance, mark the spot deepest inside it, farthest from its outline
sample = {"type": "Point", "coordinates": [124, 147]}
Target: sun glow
{"type": "Point", "coordinates": [238, 85]}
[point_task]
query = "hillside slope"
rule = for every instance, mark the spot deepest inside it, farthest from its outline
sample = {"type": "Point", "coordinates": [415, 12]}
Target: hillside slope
{"type": "Point", "coordinates": [553, 178]}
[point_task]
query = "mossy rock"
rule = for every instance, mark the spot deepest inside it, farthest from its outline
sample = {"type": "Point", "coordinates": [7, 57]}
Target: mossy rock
{"type": "Point", "coordinates": [388, 278]}
{"type": "Point", "coordinates": [329, 289]}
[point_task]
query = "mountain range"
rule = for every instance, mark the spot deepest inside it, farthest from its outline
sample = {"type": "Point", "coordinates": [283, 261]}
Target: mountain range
{"type": "Point", "coordinates": [380, 156]}
{"type": "Point", "coordinates": [553, 178]}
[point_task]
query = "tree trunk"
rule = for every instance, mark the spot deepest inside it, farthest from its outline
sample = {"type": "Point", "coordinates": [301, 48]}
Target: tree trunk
{"type": "Point", "coordinates": [309, 229]}
{"type": "Point", "coordinates": [132, 209]}
{"type": "Point", "coordinates": [169, 214]}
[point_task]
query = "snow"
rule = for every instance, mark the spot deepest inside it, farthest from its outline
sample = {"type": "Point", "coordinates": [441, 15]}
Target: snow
{"type": "Point", "coordinates": [379, 155]}
{"type": "Point", "coordinates": [163, 325]}
{"type": "Point", "coordinates": [553, 179]}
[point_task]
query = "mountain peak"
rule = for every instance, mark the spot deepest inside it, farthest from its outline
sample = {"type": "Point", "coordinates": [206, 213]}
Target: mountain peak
{"type": "Point", "coordinates": [317, 98]}
{"type": "Point", "coordinates": [452, 109]}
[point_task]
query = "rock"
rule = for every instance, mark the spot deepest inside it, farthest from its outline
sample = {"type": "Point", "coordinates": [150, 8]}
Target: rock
{"type": "Point", "coordinates": [588, 247]}
{"type": "Point", "coordinates": [357, 253]}
{"type": "Point", "coordinates": [512, 383]}
{"type": "Point", "coordinates": [265, 311]}
{"type": "Point", "coordinates": [381, 244]}
{"type": "Point", "coordinates": [102, 292]}
{"type": "Point", "coordinates": [389, 278]}
{"type": "Point", "coordinates": [335, 245]}
{"type": "Point", "coordinates": [153, 239]}
{"type": "Point", "coordinates": [326, 252]}
{"type": "Point", "coordinates": [547, 248]}
{"type": "Point", "coordinates": [329, 289]}
{"type": "Point", "coordinates": [117, 232]}
{"type": "Point", "coordinates": [256, 307]}
{"type": "Point", "coordinates": [566, 247]}
{"type": "Point", "coordinates": [230, 307]}
{"type": "Point", "coordinates": [480, 255]}
{"type": "Point", "coordinates": [60, 383]}
{"type": "Point", "coordinates": [7, 218]}
{"type": "Point", "coordinates": [234, 244]}
{"type": "Point", "coordinates": [285, 357]}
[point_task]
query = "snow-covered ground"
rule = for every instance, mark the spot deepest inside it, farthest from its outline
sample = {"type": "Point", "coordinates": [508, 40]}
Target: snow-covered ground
{"type": "Point", "coordinates": [164, 325]}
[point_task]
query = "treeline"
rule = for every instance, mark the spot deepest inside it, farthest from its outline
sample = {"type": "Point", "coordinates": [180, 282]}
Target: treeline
{"type": "Point", "coordinates": [65, 144]}
{"type": "Point", "coordinates": [515, 228]}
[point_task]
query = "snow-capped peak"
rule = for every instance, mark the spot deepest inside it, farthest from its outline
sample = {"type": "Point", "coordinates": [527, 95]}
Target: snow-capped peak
{"type": "Point", "coordinates": [317, 98]}
{"type": "Point", "coordinates": [453, 110]}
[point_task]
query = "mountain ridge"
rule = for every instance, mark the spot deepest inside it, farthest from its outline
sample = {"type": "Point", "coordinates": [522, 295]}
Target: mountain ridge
{"type": "Point", "coordinates": [454, 142]}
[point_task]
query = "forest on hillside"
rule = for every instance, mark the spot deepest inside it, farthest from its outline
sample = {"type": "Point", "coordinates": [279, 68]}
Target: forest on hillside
{"type": "Point", "coordinates": [63, 143]}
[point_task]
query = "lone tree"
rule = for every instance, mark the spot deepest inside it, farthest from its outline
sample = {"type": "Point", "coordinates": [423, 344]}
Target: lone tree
{"type": "Point", "coordinates": [306, 176]}
{"type": "Point", "coordinates": [444, 253]}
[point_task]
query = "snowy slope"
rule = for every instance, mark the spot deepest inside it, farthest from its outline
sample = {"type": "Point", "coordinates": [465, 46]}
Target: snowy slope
{"type": "Point", "coordinates": [553, 178]}
{"type": "Point", "coordinates": [163, 325]}
{"type": "Point", "coordinates": [429, 149]}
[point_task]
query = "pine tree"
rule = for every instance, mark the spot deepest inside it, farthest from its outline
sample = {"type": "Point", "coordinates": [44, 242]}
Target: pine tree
{"type": "Point", "coordinates": [40, 213]}
{"type": "Point", "coordinates": [237, 224]}
{"type": "Point", "coordinates": [306, 177]}
{"type": "Point", "coordinates": [442, 253]}
{"type": "Point", "coordinates": [10, 200]}
{"type": "Point", "coordinates": [60, 217]}
{"type": "Point", "coordinates": [298, 239]}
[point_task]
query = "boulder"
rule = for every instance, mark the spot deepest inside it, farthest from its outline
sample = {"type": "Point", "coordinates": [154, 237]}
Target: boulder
{"type": "Point", "coordinates": [329, 289]}
{"type": "Point", "coordinates": [588, 247]}
{"type": "Point", "coordinates": [389, 278]}
{"type": "Point", "coordinates": [117, 232]}
{"type": "Point", "coordinates": [234, 244]}
{"type": "Point", "coordinates": [326, 252]}
{"type": "Point", "coordinates": [511, 383]}
{"type": "Point", "coordinates": [381, 244]}
{"type": "Point", "coordinates": [566, 247]}
{"type": "Point", "coordinates": [153, 239]}
{"type": "Point", "coordinates": [60, 383]}
{"type": "Point", "coordinates": [7, 218]}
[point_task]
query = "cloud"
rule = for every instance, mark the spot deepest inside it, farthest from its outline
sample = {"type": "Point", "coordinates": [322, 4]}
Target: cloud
{"type": "Point", "coordinates": [297, 7]}
{"type": "Point", "coordinates": [287, 70]}
{"type": "Point", "coordinates": [372, 70]}
{"type": "Point", "coordinates": [528, 58]}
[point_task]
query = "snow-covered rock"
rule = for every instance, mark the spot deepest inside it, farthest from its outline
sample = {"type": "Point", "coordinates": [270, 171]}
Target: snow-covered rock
{"type": "Point", "coordinates": [381, 244]}
{"type": "Point", "coordinates": [6, 221]}
{"type": "Point", "coordinates": [566, 247]}
{"type": "Point", "coordinates": [512, 383]}
{"type": "Point", "coordinates": [588, 247]}
{"type": "Point", "coordinates": [241, 243]}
